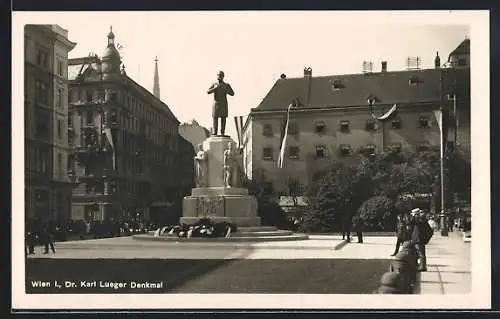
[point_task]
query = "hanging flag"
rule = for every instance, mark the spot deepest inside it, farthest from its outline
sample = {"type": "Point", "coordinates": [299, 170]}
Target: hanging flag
{"type": "Point", "coordinates": [109, 136]}
{"type": "Point", "coordinates": [285, 135]}
{"type": "Point", "coordinates": [237, 124]}
{"type": "Point", "coordinates": [387, 114]}
{"type": "Point", "coordinates": [439, 119]}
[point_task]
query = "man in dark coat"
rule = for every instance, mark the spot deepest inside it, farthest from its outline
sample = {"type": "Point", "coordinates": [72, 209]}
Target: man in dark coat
{"type": "Point", "coordinates": [47, 239]}
{"type": "Point", "coordinates": [220, 89]}
{"type": "Point", "coordinates": [418, 236]}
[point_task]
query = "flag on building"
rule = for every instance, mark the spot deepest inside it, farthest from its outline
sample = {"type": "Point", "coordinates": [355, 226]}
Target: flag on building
{"type": "Point", "coordinates": [285, 135]}
{"type": "Point", "coordinates": [387, 114]}
{"type": "Point", "coordinates": [439, 120]}
{"type": "Point", "coordinates": [109, 137]}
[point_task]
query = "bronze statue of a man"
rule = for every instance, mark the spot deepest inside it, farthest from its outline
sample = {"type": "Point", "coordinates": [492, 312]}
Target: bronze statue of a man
{"type": "Point", "coordinates": [220, 89]}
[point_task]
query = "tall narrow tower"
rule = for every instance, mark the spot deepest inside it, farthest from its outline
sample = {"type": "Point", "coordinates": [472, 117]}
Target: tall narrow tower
{"type": "Point", "coordinates": [156, 84]}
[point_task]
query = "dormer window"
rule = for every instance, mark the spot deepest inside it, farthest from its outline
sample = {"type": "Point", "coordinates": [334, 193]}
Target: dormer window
{"type": "Point", "coordinates": [337, 85]}
{"type": "Point", "coordinates": [370, 125]}
{"type": "Point", "coordinates": [344, 126]}
{"type": "Point", "coordinates": [320, 151]}
{"type": "Point", "coordinates": [345, 150]}
{"type": "Point", "coordinates": [423, 122]}
{"type": "Point", "coordinates": [293, 152]}
{"type": "Point", "coordinates": [267, 130]}
{"type": "Point", "coordinates": [396, 123]}
{"type": "Point", "coordinates": [320, 127]}
{"type": "Point", "coordinates": [414, 81]}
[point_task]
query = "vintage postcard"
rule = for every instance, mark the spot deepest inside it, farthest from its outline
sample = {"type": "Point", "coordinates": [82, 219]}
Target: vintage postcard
{"type": "Point", "coordinates": [291, 160]}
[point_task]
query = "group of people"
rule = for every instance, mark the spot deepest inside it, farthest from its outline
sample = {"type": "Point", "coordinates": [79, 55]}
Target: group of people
{"type": "Point", "coordinates": [352, 224]}
{"type": "Point", "coordinates": [416, 229]}
{"type": "Point", "coordinates": [46, 232]}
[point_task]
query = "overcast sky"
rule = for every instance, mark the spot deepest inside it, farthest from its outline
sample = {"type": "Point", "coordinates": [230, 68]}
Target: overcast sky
{"type": "Point", "coordinates": [253, 48]}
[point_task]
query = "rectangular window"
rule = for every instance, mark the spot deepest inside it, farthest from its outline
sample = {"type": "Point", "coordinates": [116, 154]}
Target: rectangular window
{"type": "Point", "coordinates": [41, 58]}
{"type": "Point", "coordinates": [320, 127]}
{"type": "Point", "coordinates": [70, 120]}
{"type": "Point", "coordinates": [395, 147]}
{"type": "Point", "coordinates": [267, 153]}
{"type": "Point", "coordinates": [369, 149]}
{"type": "Point", "coordinates": [396, 123]}
{"type": "Point", "coordinates": [345, 150]}
{"type": "Point", "coordinates": [89, 117]}
{"type": "Point", "coordinates": [101, 94]}
{"type": "Point", "coordinates": [422, 147]}
{"type": "Point", "coordinates": [60, 129]}
{"type": "Point", "coordinates": [268, 130]}
{"type": "Point", "coordinates": [60, 168]}
{"type": "Point", "coordinates": [60, 98]}
{"type": "Point", "coordinates": [462, 62]}
{"type": "Point", "coordinates": [60, 67]}
{"type": "Point", "coordinates": [113, 117]}
{"type": "Point", "coordinates": [423, 122]}
{"type": "Point", "coordinates": [370, 125]}
{"type": "Point", "coordinates": [344, 126]}
{"type": "Point", "coordinates": [320, 151]}
{"type": "Point", "coordinates": [43, 122]}
{"type": "Point", "coordinates": [293, 128]}
{"type": "Point", "coordinates": [88, 96]}
{"type": "Point", "coordinates": [41, 91]}
{"type": "Point", "coordinates": [293, 152]}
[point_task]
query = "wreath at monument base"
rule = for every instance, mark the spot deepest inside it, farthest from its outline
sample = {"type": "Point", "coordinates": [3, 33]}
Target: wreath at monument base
{"type": "Point", "coordinates": [203, 228]}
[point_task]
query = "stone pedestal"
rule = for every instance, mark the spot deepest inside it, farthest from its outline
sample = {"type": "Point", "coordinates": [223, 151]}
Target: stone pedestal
{"type": "Point", "coordinates": [217, 202]}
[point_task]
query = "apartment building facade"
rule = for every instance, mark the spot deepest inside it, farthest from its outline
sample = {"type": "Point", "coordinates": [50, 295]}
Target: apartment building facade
{"type": "Point", "coordinates": [47, 185]}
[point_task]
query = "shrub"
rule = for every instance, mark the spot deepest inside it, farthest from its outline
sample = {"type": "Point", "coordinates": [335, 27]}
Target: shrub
{"type": "Point", "coordinates": [378, 213]}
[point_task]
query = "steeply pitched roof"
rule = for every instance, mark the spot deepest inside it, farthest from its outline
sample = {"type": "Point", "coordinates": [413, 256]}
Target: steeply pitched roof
{"type": "Point", "coordinates": [387, 87]}
{"type": "Point", "coordinates": [463, 48]}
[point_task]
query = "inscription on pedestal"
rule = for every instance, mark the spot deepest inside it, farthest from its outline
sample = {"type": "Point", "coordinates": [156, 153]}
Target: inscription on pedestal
{"type": "Point", "coordinates": [210, 206]}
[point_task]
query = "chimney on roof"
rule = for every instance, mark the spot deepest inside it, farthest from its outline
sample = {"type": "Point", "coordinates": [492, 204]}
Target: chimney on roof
{"type": "Point", "coordinates": [384, 66]}
{"type": "Point", "coordinates": [367, 67]}
{"type": "Point", "coordinates": [307, 72]}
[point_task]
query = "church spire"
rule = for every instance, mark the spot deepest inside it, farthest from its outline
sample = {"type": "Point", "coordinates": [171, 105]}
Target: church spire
{"type": "Point", "coordinates": [156, 84]}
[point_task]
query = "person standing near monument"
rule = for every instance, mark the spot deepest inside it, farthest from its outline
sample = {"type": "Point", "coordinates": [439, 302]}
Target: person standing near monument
{"type": "Point", "coordinates": [220, 89]}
